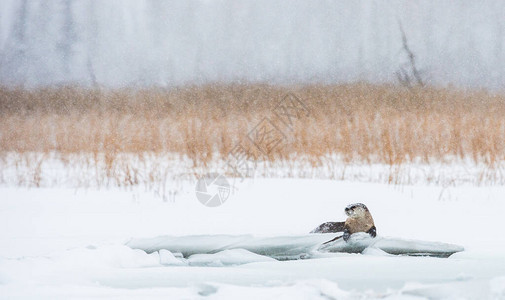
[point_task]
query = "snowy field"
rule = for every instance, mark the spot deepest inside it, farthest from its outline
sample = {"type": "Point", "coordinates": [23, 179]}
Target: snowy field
{"type": "Point", "coordinates": [131, 99]}
{"type": "Point", "coordinates": [71, 242]}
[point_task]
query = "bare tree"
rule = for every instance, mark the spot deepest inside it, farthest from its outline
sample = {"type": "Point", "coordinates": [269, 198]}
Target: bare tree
{"type": "Point", "coordinates": [408, 75]}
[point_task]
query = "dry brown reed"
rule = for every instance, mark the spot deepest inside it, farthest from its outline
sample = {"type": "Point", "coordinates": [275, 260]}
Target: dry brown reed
{"type": "Point", "coordinates": [358, 122]}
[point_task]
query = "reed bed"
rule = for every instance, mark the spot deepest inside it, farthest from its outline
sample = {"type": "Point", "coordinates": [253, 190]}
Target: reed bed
{"type": "Point", "coordinates": [358, 122]}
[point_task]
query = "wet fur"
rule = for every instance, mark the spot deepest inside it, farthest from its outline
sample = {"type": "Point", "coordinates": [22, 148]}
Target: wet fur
{"type": "Point", "coordinates": [359, 220]}
{"type": "Point", "coordinates": [329, 227]}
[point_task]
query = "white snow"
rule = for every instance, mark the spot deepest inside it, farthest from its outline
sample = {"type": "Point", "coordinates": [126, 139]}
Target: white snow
{"type": "Point", "coordinates": [167, 258]}
{"type": "Point", "coordinates": [227, 257]}
{"type": "Point", "coordinates": [165, 174]}
{"type": "Point", "coordinates": [65, 242]}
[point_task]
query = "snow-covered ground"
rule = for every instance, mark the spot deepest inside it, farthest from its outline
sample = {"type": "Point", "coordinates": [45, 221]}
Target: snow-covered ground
{"type": "Point", "coordinates": [166, 174]}
{"type": "Point", "coordinates": [67, 242]}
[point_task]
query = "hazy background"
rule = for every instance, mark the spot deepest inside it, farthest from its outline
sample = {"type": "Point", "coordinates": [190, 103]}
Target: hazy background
{"type": "Point", "coordinates": [165, 43]}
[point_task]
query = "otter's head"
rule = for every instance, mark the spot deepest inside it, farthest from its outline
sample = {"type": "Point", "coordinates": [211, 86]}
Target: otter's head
{"type": "Point", "coordinates": [356, 210]}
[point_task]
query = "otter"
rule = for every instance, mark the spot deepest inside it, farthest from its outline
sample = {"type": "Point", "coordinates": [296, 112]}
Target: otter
{"type": "Point", "coordinates": [359, 220]}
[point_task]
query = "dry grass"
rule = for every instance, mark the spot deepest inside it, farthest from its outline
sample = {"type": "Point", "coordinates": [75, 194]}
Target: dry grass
{"type": "Point", "coordinates": [358, 122]}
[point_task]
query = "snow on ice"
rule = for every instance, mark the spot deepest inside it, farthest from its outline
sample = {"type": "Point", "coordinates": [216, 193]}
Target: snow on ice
{"type": "Point", "coordinates": [61, 243]}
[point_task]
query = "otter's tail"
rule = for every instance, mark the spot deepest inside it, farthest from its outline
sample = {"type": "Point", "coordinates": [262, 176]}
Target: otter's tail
{"type": "Point", "coordinates": [338, 237]}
